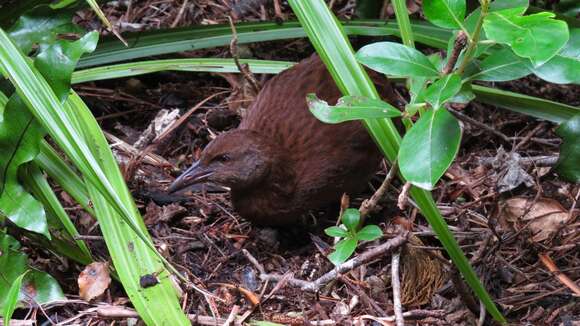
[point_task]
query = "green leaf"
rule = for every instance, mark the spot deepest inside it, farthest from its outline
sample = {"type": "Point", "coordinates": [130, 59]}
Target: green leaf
{"type": "Point", "coordinates": [537, 37]}
{"type": "Point", "coordinates": [343, 251]}
{"type": "Point", "coordinates": [429, 148]}
{"type": "Point", "coordinates": [442, 90]}
{"type": "Point", "coordinates": [336, 231]}
{"type": "Point", "coordinates": [465, 95]}
{"type": "Point", "coordinates": [12, 298]}
{"type": "Point", "coordinates": [20, 136]}
{"type": "Point", "coordinates": [41, 25]}
{"type": "Point", "coordinates": [37, 285]}
{"type": "Point", "coordinates": [57, 61]}
{"type": "Point", "coordinates": [502, 65]}
{"type": "Point", "coordinates": [396, 59]}
{"type": "Point", "coordinates": [350, 219]}
{"type": "Point", "coordinates": [516, 7]}
{"type": "Point", "coordinates": [569, 161]}
{"type": "Point", "coordinates": [445, 13]}
{"type": "Point", "coordinates": [369, 233]}
{"type": "Point", "coordinates": [564, 68]}
{"type": "Point", "coordinates": [350, 108]}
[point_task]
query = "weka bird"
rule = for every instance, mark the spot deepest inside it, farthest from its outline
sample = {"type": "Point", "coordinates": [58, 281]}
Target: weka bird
{"type": "Point", "coordinates": [281, 161]}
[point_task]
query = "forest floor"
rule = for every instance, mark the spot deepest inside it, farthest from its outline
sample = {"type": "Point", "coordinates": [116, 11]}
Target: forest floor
{"type": "Point", "coordinates": [513, 216]}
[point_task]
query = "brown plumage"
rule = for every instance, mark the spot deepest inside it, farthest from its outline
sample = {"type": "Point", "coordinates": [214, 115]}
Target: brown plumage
{"type": "Point", "coordinates": [281, 162]}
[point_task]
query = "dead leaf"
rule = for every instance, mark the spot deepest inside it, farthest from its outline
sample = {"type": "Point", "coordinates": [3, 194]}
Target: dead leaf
{"type": "Point", "coordinates": [94, 280]}
{"type": "Point", "coordinates": [543, 218]}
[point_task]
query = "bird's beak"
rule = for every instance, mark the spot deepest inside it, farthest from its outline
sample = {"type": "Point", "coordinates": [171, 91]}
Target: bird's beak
{"type": "Point", "coordinates": [195, 174]}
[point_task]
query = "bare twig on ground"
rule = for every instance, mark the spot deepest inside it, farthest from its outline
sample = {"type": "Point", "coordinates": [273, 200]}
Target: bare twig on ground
{"type": "Point", "coordinates": [369, 205]}
{"type": "Point", "coordinates": [396, 284]}
{"type": "Point", "coordinates": [404, 196]}
{"type": "Point", "coordinates": [314, 286]}
{"type": "Point", "coordinates": [551, 266]}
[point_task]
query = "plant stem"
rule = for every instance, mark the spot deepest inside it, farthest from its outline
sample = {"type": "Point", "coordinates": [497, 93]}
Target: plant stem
{"type": "Point", "coordinates": [474, 38]}
{"type": "Point", "coordinates": [404, 23]}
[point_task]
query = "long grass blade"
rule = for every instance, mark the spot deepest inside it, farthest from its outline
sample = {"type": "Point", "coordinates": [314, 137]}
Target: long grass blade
{"type": "Point", "coordinates": [159, 42]}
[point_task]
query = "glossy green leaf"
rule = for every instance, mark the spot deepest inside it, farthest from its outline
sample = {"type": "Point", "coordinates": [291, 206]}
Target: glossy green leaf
{"type": "Point", "coordinates": [564, 68]}
{"type": "Point", "coordinates": [20, 136]}
{"type": "Point", "coordinates": [369, 233]}
{"type": "Point", "coordinates": [513, 7]}
{"type": "Point", "coordinates": [350, 108]}
{"type": "Point", "coordinates": [57, 61]}
{"type": "Point", "coordinates": [442, 90]}
{"type": "Point", "coordinates": [569, 161]}
{"type": "Point", "coordinates": [502, 65]}
{"type": "Point", "coordinates": [41, 25]}
{"type": "Point", "coordinates": [465, 95]}
{"type": "Point", "coordinates": [350, 219]}
{"type": "Point", "coordinates": [429, 148]}
{"type": "Point", "coordinates": [538, 37]}
{"type": "Point", "coordinates": [396, 59]}
{"type": "Point", "coordinates": [336, 231]}
{"type": "Point", "coordinates": [342, 251]}
{"type": "Point", "coordinates": [37, 285]}
{"type": "Point", "coordinates": [445, 13]}
{"type": "Point", "coordinates": [12, 299]}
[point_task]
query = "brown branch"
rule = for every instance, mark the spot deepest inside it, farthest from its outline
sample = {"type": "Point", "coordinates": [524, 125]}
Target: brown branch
{"type": "Point", "coordinates": [460, 43]}
{"type": "Point", "coordinates": [244, 68]}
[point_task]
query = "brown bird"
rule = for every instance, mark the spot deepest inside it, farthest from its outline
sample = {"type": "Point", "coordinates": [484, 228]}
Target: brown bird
{"type": "Point", "coordinates": [281, 161]}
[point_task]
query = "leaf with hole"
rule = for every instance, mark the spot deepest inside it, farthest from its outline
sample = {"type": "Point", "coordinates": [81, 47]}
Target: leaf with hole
{"type": "Point", "coordinates": [396, 59]}
{"type": "Point", "coordinates": [502, 65]}
{"type": "Point", "coordinates": [445, 13]}
{"type": "Point", "coordinates": [568, 165]}
{"type": "Point", "coordinates": [564, 68]}
{"type": "Point", "coordinates": [350, 108]}
{"type": "Point", "coordinates": [442, 90]}
{"type": "Point", "coordinates": [369, 233]}
{"type": "Point", "coordinates": [538, 37]}
{"type": "Point", "coordinates": [342, 251]}
{"type": "Point", "coordinates": [429, 147]}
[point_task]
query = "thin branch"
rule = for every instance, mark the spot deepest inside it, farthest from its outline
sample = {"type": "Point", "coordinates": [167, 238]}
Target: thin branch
{"type": "Point", "coordinates": [396, 284]}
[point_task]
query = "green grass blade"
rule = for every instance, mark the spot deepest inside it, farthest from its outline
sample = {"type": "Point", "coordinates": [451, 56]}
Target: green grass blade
{"type": "Point", "coordinates": [157, 305]}
{"type": "Point", "coordinates": [529, 105]}
{"type": "Point", "coordinates": [402, 15]}
{"type": "Point", "coordinates": [158, 42]}
{"type": "Point", "coordinates": [36, 182]}
{"type": "Point", "coordinates": [50, 162]}
{"type": "Point", "coordinates": [199, 65]}
{"type": "Point", "coordinates": [331, 43]}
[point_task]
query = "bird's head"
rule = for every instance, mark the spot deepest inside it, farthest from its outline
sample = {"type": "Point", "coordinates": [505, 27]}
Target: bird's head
{"type": "Point", "coordinates": [237, 159]}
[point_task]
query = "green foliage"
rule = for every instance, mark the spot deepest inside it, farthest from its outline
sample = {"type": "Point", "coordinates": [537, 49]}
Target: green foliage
{"type": "Point", "coordinates": [569, 161]}
{"type": "Point", "coordinates": [564, 67]}
{"type": "Point", "coordinates": [350, 108]}
{"type": "Point", "coordinates": [501, 65]}
{"type": "Point", "coordinates": [429, 148]}
{"type": "Point", "coordinates": [37, 286]}
{"type": "Point", "coordinates": [396, 59]}
{"type": "Point", "coordinates": [442, 90]}
{"type": "Point", "coordinates": [537, 37]}
{"type": "Point", "coordinates": [445, 13]}
{"type": "Point", "coordinates": [350, 235]}
{"type": "Point", "coordinates": [12, 298]}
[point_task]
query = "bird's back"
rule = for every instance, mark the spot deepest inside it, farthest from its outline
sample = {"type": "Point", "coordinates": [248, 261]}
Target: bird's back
{"type": "Point", "coordinates": [329, 159]}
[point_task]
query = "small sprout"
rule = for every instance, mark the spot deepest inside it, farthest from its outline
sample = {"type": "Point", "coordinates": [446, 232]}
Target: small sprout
{"type": "Point", "coordinates": [350, 235]}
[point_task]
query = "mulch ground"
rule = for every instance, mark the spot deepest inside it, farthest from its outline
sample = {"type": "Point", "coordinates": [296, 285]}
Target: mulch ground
{"type": "Point", "coordinates": [513, 216]}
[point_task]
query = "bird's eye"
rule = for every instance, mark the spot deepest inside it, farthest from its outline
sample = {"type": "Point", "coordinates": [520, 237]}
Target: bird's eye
{"type": "Point", "coordinates": [221, 158]}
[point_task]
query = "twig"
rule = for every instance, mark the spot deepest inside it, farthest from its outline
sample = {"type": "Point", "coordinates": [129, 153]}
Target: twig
{"type": "Point", "coordinates": [551, 266]}
{"type": "Point", "coordinates": [369, 205]}
{"type": "Point", "coordinates": [483, 126]}
{"type": "Point", "coordinates": [528, 136]}
{"type": "Point", "coordinates": [232, 316]}
{"type": "Point", "coordinates": [314, 286]}
{"type": "Point", "coordinates": [244, 68]}
{"type": "Point", "coordinates": [482, 314]}
{"type": "Point", "coordinates": [396, 284]}
{"type": "Point", "coordinates": [179, 14]}
{"type": "Point", "coordinates": [460, 43]}
{"type": "Point", "coordinates": [404, 196]}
